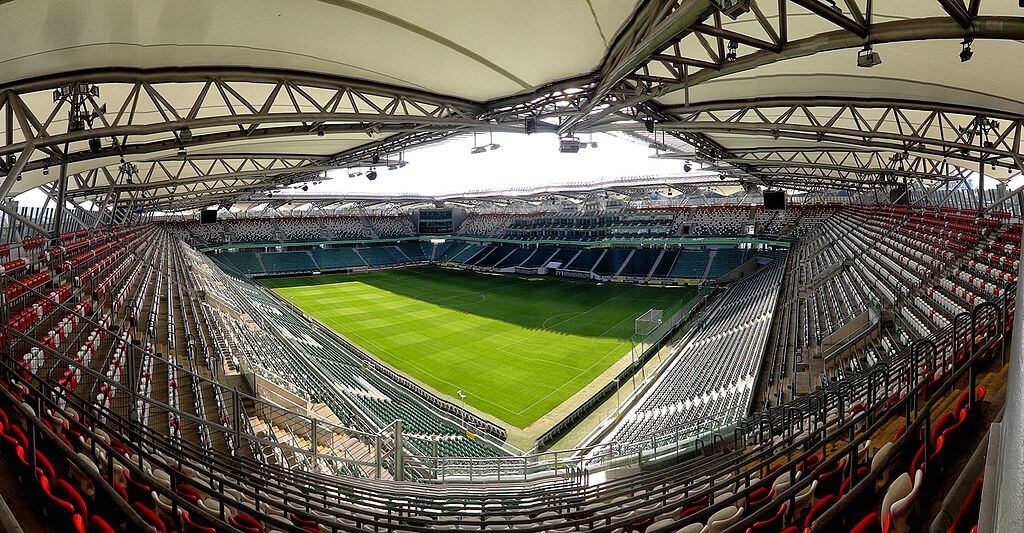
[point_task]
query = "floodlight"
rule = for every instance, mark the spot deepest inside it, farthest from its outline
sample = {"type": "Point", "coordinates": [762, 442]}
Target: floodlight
{"type": "Point", "coordinates": [733, 8]}
{"type": "Point", "coordinates": [868, 58]}
{"type": "Point", "coordinates": [966, 54]}
{"type": "Point", "coordinates": [649, 124]}
{"type": "Point", "coordinates": [569, 145]}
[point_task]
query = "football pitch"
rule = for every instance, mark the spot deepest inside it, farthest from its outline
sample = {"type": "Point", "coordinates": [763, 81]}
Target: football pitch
{"type": "Point", "coordinates": [517, 346]}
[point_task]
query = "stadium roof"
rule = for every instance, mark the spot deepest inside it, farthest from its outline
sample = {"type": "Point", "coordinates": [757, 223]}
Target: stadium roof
{"type": "Point", "coordinates": [217, 100]}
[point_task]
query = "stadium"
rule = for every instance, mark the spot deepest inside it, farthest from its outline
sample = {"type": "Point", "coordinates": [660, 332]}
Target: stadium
{"type": "Point", "coordinates": [403, 266]}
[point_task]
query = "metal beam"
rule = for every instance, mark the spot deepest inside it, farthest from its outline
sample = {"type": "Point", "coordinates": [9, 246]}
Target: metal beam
{"type": "Point", "coordinates": [958, 11]}
{"type": "Point", "coordinates": [18, 216]}
{"type": "Point", "coordinates": [929, 28]}
{"type": "Point", "coordinates": [1002, 199]}
{"type": "Point", "coordinates": [619, 64]}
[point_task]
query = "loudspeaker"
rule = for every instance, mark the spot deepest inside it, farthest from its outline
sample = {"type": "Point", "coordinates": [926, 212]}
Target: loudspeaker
{"type": "Point", "coordinates": [898, 194]}
{"type": "Point", "coordinates": [774, 200]}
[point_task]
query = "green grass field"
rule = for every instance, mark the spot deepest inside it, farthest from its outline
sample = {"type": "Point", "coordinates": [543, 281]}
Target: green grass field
{"type": "Point", "coordinates": [517, 346]}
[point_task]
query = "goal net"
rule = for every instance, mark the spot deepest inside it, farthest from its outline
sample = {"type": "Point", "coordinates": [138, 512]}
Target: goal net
{"type": "Point", "coordinates": [648, 322]}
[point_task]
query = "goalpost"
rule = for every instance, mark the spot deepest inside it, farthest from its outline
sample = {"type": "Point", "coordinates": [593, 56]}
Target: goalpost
{"type": "Point", "coordinates": [645, 325]}
{"type": "Point", "coordinates": [648, 322]}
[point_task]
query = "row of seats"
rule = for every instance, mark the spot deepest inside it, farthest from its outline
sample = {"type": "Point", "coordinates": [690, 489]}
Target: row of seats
{"type": "Point", "coordinates": [185, 481]}
{"type": "Point", "coordinates": [715, 366]}
{"type": "Point", "coordinates": [269, 229]}
{"type": "Point", "coordinates": [884, 256]}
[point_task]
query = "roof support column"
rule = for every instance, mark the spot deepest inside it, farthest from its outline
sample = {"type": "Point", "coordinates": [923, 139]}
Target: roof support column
{"type": "Point", "coordinates": [62, 190]}
{"type": "Point", "coordinates": [981, 186]}
{"type": "Point", "coordinates": [113, 208]}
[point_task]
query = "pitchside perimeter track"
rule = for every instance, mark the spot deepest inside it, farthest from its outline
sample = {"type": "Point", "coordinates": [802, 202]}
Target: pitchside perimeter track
{"type": "Point", "coordinates": [517, 346]}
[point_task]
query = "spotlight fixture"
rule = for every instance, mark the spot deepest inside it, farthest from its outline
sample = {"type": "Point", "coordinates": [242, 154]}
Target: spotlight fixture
{"type": "Point", "coordinates": [530, 125]}
{"type": "Point", "coordinates": [371, 175]}
{"type": "Point", "coordinates": [185, 134]}
{"type": "Point", "coordinates": [730, 54]}
{"type": "Point", "coordinates": [733, 8]}
{"type": "Point", "coordinates": [305, 188]}
{"type": "Point", "coordinates": [494, 146]}
{"type": "Point", "coordinates": [46, 171]}
{"type": "Point", "coordinates": [868, 58]}
{"type": "Point", "coordinates": [569, 145]}
{"type": "Point", "coordinates": [478, 150]}
{"type": "Point", "coordinates": [966, 54]}
{"type": "Point", "coordinates": [182, 152]}
{"type": "Point", "coordinates": [687, 167]}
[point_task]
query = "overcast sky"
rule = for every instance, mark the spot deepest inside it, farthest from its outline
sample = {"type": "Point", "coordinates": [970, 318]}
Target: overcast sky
{"type": "Point", "coordinates": [521, 161]}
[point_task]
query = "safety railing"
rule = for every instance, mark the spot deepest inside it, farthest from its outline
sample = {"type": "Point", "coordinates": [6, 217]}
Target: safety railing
{"type": "Point", "coordinates": [296, 439]}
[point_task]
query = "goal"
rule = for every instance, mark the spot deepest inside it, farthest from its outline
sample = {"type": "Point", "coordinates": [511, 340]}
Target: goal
{"type": "Point", "coordinates": [648, 322]}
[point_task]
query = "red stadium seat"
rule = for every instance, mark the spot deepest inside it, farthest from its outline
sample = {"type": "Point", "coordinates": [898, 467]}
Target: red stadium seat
{"type": "Point", "coordinates": [918, 462]}
{"type": "Point", "coordinates": [830, 480]}
{"type": "Point", "coordinates": [868, 524]}
{"type": "Point", "coordinates": [66, 498]}
{"type": "Point", "coordinates": [246, 523]}
{"type": "Point", "coordinates": [691, 510]}
{"type": "Point", "coordinates": [773, 524]}
{"type": "Point", "coordinates": [759, 497]}
{"type": "Point", "coordinates": [849, 482]}
{"type": "Point", "coordinates": [99, 525]}
{"type": "Point", "coordinates": [819, 509]}
{"type": "Point", "coordinates": [961, 401]}
{"type": "Point", "coordinates": [940, 425]}
{"type": "Point", "coordinates": [811, 462]}
{"type": "Point", "coordinates": [967, 518]}
{"type": "Point", "coordinates": [150, 517]}
{"type": "Point", "coordinates": [192, 525]}
{"type": "Point", "coordinates": [305, 523]}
